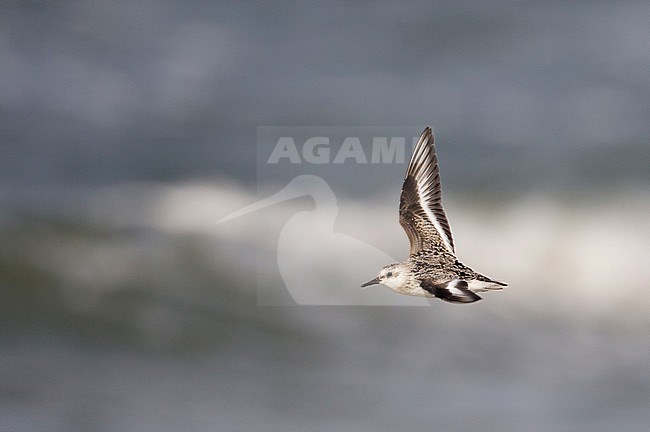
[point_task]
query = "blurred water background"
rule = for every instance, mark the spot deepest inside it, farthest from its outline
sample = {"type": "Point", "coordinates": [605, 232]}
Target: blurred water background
{"type": "Point", "coordinates": [129, 128]}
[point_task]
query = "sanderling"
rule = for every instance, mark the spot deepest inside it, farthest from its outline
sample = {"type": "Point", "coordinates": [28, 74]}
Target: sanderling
{"type": "Point", "coordinates": [432, 269]}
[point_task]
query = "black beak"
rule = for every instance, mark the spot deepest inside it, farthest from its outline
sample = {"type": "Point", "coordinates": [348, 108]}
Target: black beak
{"type": "Point", "coordinates": [372, 282]}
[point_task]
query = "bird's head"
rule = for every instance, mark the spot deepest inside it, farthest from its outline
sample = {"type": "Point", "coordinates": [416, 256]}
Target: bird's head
{"type": "Point", "coordinates": [392, 275]}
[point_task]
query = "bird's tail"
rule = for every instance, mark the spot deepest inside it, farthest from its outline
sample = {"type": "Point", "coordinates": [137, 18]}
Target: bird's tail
{"type": "Point", "coordinates": [483, 283]}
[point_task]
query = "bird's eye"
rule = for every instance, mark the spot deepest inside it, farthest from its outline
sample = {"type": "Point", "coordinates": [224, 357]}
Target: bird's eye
{"type": "Point", "coordinates": [389, 274]}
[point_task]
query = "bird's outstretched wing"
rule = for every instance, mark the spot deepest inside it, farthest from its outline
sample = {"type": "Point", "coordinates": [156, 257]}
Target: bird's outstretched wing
{"type": "Point", "coordinates": [420, 208]}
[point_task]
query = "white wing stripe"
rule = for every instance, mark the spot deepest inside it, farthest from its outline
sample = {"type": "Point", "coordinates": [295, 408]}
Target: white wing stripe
{"type": "Point", "coordinates": [425, 166]}
{"type": "Point", "coordinates": [433, 219]}
{"type": "Point", "coordinates": [423, 169]}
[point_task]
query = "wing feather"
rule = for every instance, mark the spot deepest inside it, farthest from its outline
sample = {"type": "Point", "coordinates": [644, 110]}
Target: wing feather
{"type": "Point", "coordinates": [420, 210]}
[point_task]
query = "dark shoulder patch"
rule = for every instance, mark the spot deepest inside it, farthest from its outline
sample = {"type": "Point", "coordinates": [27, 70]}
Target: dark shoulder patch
{"type": "Point", "coordinates": [454, 291]}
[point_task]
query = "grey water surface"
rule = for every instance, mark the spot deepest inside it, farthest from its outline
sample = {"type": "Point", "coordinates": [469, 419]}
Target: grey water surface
{"type": "Point", "coordinates": [129, 128]}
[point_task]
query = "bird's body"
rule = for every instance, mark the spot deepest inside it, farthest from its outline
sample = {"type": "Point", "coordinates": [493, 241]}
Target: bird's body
{"type": "Point", "coordinates": [432, 269]}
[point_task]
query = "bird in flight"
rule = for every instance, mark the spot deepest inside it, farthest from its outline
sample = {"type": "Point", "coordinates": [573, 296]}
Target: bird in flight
{"type": "Point", "coordinates": [432, 269]}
